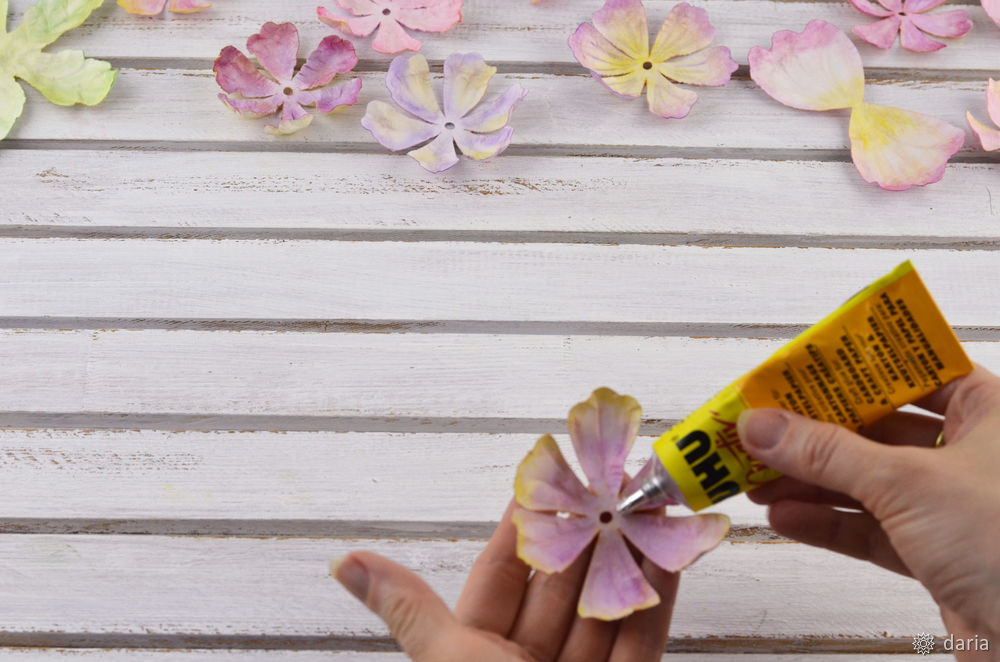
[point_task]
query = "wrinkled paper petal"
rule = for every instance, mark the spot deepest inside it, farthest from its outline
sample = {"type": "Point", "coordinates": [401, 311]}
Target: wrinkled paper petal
{"type": "Point", "coordinates": [438, 155]}
{"type": "Point", "coordinates": [395, 129]}
{"type": "Point", "coordinates": [392, 38]}
{"type": "Point", "coordinates": [143, 7]}
{"type": "Point", "coordinates": [948, 24]}
{"type": "Point", "coordinates": [188, 6]}
{"type": "Point", "coordinates": [992, 8]}
{"type": "Point", "coordinates": [549, 543]}
{"type": "Point", "coordinates": [429, 15]}
{"type": "Point", "coordinates": [615, 585]}
{"type": "Point", "coordinates": [253, 108]}
{"type": "Point", "coordinates": [12, 100]}
{"type": "Point", "coordinates": [546, 482]}
{"type": "Point", "coordinates": [881, 34]}
{"type": "Point", "coordinates": [293, 119]}
{"type": "Point", "coordinates": [494, 115]}
{"type": "Point", "coordinates": [623, 23]}
{"type": "Point", "coordinates": [603, 429]}
{"type": "Point", "coordinates": [685, 30]}
{"type": "Point", "coordinates": [276, 47]}
{"type": "Point", "coordinates": [593, 50]}
{"type": "Point", "coordinates": [409, 83]}
{"type": "Point", "coordinates": [911, 38]}
{"type": "Point", "coordinates": [333, 56]}
{"type": "Point", "coordinates": [356, 27]}
{"type": "Point", "coordinates": [479, 146]}
{"type": "Point", "coordinates": [330, 98]}
{"type": "Point", "coordinates": [673, 543]}
{"type": "Point", "coordinates": [711, 66]}
{"type": "Point", "coordinates": [989, 137]}
{"type": "Point", "coordinates": [67, 77]}
{"type": "Point", "coordinates": [236, 74]}
{"type": "Point", "coordinates": [668, 100]}
{"type": "Point", "coordinates": [466, 77]}
{"type": "Point", "coordinates": [870, 8]}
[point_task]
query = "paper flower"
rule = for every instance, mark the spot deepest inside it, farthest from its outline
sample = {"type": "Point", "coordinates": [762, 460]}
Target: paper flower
{"type": "Point", "coordinates": [65, 78]}
{"type": "Point", "coordinates": [155, 7]}
{"type": "Point", "coordinates": [992, 8]}
{"type": "Point", "coordinates": [615, 47]}
{"type": "Point", "coordinates": [390, 17]}
{"type": "Point", "coordinates": [989, 137]}
{"type": "Point", "coordinates": [820, 69]}
{"type": "Point", "coordinates": [907, 17]}
{"type": "Point", "coordinates": [479, 132]}
{"type": "Point", "coordinates": [252, 94]}
{"type": "Point", "coordinates": [558, 517]}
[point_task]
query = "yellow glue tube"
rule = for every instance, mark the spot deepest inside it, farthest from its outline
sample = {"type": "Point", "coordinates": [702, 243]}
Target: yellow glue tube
{"type": "Point", "coordinates": [886, 347]}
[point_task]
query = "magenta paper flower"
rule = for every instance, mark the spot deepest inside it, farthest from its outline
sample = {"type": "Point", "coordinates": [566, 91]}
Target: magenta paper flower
{"type": "Point", "coordinates": [479, 132]}
{"type": "Point", "coordinates": [558, 517]}
{"type": "Point", "coordinates": [907, 18]}
{"type": "Point", "coordinates": [252, 94]}
{"type": "Point", "coordinates": [820, 69]}
{"type": "Point", "coordinates": [615, 47]}
{"type": "Point", "coordinates": [156, 7]}
{"type": "Point", "coordinates": [390, 17]}
{"type": "Point", "coordinates": [989, 137]}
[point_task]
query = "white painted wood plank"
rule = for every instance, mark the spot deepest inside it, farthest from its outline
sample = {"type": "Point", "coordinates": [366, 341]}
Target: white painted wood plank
{"type": "Point", "coordinates": [276, 586]}
{"type": "Point", "coordinates": [502, 31]}
{"type": "Point", "coordinates": [513, 193]}
{"type": "Point", "coordinates": [147, 474]}
{"type": "Point", "coordinates": [119, 655]}
{"type": "Point", "coordinates": [271, 279]}
{"type": "Point", "coordinates": [419, 375]}
{"type": "Point", "coordinates": [560, 110]}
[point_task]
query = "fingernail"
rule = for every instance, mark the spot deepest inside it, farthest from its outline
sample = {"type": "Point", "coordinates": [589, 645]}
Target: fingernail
{"type": "Point", "coordinates": [352, 575]}
{"type": "Point", "coordinates": [762, 428]}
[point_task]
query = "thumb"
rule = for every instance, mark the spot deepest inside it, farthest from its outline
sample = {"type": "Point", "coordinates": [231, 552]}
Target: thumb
{"type": "Point", "coordinates": [822, 454]}
{"type": "Point", "coordinates": [416, 616]}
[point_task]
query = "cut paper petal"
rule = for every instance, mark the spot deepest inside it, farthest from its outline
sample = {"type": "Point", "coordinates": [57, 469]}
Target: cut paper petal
{"type": "Point", "coordinates": [674, 543]}
{"type": "Point", "coordinates": [711, 66]}
{"type": "Point", "coordinates": [234, 72]}
{"type": "Point", "coordinates": [156, 7]}
{"type": "Point", "coordinates": [429, 16]}
{"type": "Point", "coordinates": [668, 100]}
{"type": "Point", "coordinates": [921, 6]}
{"type": "Point", "coordinates": [871, 8]}
{"type": "Point", "coordinates": [951, 24]}
{"type": "Point", "coordinates": [910, 22]}
{"type": "Point", "coordinates": [438, 155]}
{"type": "Point", "coordinates": [390, 17]}
{"type": "Point", "coordinates": [992, 9]}
{"type": "Point", "coordinates": [293, 118]}
{"type": "Point", "coordinates": [551, 544]}
{"type": "Point", "coordinates": [545, 482]}
{"type": "Point", "coordinates": [615, 586]}
{"type": "Point", "coordinates": [603, 429]}
{"type": "Point", "coordinates": [11, 104]}
{"type": "Point", "coordinates": [623, 23]}
{"type": "Point", "coordinates": [188, 6]}
{"type": "Point", "coordinates": [409, 83]}
{"type": "Point", "coordinates": [989, 137]}
{"type": "Point", "coordinates": [595, 52]}
{"type": "Point", "coordinates": [395, 129]}
{"type": "Point", "coordinates": [685, 31]}
{"type": "Point", "coordinates": [276, 47]}
{"type": "Point", "coordinates": [253, 108]}
{"type": "Point", "coordinates": [330, 98]}
{"type": "Point", "coordinates": [465, 80]}
{"type": "Point", "coordinates": [479, 146]}
{"type": "Point", "coordinates": [333, 56]}
{"type": "Point", "coordinates": [494, 115]}
{"type": "Point", "coordinates": [392, 38]}
{"type": "Point", "coordinates": [881, 34]}
{"type": "Point", "coordinates": [897, 149]}
{"type": "Point", "coordinates": [911, 38]}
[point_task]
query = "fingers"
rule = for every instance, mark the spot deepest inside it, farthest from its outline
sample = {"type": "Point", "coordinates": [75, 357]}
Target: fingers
{"type": "Point", "coordinates": [786, 488]}
{"type": "Point", "coordinates": [497, 582]}
{"type": "Point", "coordinates": [589, 639]}
{"type": "Point", "coordinates": [418, 619]}
{"type": "Point", "coordinates": [903, 428]}
{"type": "Point", "coordinates": [643, 635]}
{"type": "Point", "coordinates": [854, 534]}
{"type": "Point", "coordinates": [979, 385]}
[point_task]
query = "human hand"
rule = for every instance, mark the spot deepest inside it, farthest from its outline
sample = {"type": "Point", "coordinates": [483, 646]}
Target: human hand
{"type": "Point", "coordinates": [931, 513]}
{"type": "Point", "coordinates": [506, 614]}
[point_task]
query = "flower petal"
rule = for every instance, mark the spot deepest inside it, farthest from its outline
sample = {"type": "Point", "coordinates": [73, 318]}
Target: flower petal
{"type": "Point", "coordinates": [188, 6]}
{"type": "Point", "coordinates": [603, 428]}
{"type": "Point", "coordinates": [253, 108]}
{"type": "Point", "coordinates": [673, 543]}
{"type": "Point", "coordinates": [623, 23]}
{"type": "Point", "coordinates": [143, 7]}
{"type": "Point", "coordinates": [615, 585]}
{"type": "Point", "coordinates": [409, 83]}
{"type": "Point", "coordinates": [12, 100]}
{"type": "Point", "coordinates": [989, 137]}
{"type": "Point", "coordinates": [494, 115]}
{"type": "Point", "coordinates": [897, 149]}
{"type": "Point", "coordinates": [711, 66]}
{"type": "Point", "coordinates": [551, 543]}
{"type": "Point", "coordinates": [465, 79]}
{"type": "Point", "coordinates": [668, 100]}
{"type": "Point", "coordinates": [437, 155]}
{"type": "Point", "coordinates": [685, 31]}
{"type": "Point", "coordinates": [330, 98]}
{"type": "Point", "coordinates": [870, 8]}
{"type": "Point", "coordinates": [481, 146]}
{"type": "Point", "coordinates": [911, 38]}
{"type": "Point", "coordinates": [816, 69]}
{"type": "Point", "coordinates": [358, 7]}
{"type": "Point", "coordinates": [236, 74]}
{"type": "Point", "coordinates": [628, 85]}
{"type": "Point", "coordinates": [395, 129]}
{"type": "Point", "coordinates": [333, 56]}
{"type": "Point", "coordinates": [595, 52]}
{"type": "Point", "coordinates": [357, 27]}
{"type": "Point", "coordinates": [993, 100]}
{"type": "Point", "coordinates": [992, 9]}
{"type": "Point", "coordinates": [919, 6]}
{"type": "Point", "coordinates": [392, 38]}
{"type": "Point", "coordinates": [438, 16]}
{"type": "Point", "coordinates": [881, 34]}
{"type": "Point", "coordinates": [293, 118]}
{"type": "Point", "coordinates": [943, 23]}
{"type": "Point", "coordinates": [276, 47]}
{"type": "Point", "coordinates": [545, 481]}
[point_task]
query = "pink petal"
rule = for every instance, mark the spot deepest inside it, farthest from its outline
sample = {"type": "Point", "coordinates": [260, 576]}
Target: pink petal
{"type": "Point", "coordinates": [817, 69]}
{"type": "Point", "coordinates": [989, 137]}
{"type": "Point", "coordinates": [595, 52]}
{"type": "Point", "coordinates": [235, 73]}
{"type": "Point", "coordinates": [615, 585]}
{"type": "Point", "coordinates": [603, 428]}
{"type": "Point", "coordinates": [494, 115]}
{"type": "Point", "coordinates": [357, 27]}
{"type": "Point", "coordinates": [668, 100]}
{"type": "Point", "coordinates": [993, 100]}
{"type": "Point", "coordinates": [293, 118]}
{"type": "Point", "coordinates": [943, 24]}
{"type": "Point", "coordinates": [409, 83]}
{"type": "Point", "coordinates": [431, 15]}
{"type": "Point", "coordinates": [437, 155]}
{"type": "Point", "coordinates": [276, 47]}
{"type": "Point", "coordinates": [911, 38]}
{"type": "Point", "coordinates": [897, 149]}
{"type": "Point", "coordinates": [394, 129]}
{"type": "Point", "coordinates": [141, 7]}
{"type": "Point", "coordinates": [188, 6]}
{"type": "Point", "coordinates": [333, 56]}
{"type": "Point", "coordinates": [711, 66]}
{"type": "Point", "coordinates": [253, 108]}
{"type": "Point", "coordinates": [481, 146]}
{"type": "Point", "coordinates": [359, 7]}
{"type": "Point", "coordinates": [992, 8]}
{"type": "Point", "coordinates": [392, 38]}
{"type": "Point", "coordinates": [330, 98]}
{"type": "Point", "coordinates": [551, 543]}
{"type": "Point", "coordinates": [685, 31]}
{"type": "Point", "coordinates": [920, 6]}
{"type": "Point", "coordinates": [870, 8]}
{"type": "Point", "coordinates": [465, 80]}
{"type": "Point", "coordinates": [880, 33]}
{"type": "Point", "coordinates": [673, 543]}
{"type": "Point", "coordinates": [623, 23]}
{"type": "Point", "coordinates": [545, 481]}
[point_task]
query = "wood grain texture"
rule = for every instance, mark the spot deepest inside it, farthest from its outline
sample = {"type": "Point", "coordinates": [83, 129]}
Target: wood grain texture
{"type": "Point", "coordinates": [286, 191]}
{"type": "Point", "coordinates": [528, 36]}
{"type": "Point", "coordinates": [275, 586]}
{"type": "Point", "coordinates": [118, 655]}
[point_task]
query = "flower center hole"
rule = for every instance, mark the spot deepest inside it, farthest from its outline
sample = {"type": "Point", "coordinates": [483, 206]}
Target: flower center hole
{"type": "Point", "coordinates": [647, 65]}
{"type": "Point", "coordinates": [386, 11]}
{"type": "Point", "coordinates": [605, 517]}
{"type": "Point", "coordinates": [449, 125]}
{"type": "Point", "coordinates": [288, 91]}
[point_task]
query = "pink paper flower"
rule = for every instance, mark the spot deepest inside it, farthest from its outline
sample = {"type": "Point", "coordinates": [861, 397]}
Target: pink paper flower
{"type": "Point", "coordinates": [615, 47]}
{"type": "Point", "coordinates": [558, 517]}
{"type": "Point", "coordinates": [989, 137]}
{"type": "Point", "coordinates": [479, 132]}
{"type": "Point", "coordinates": [390, 17]}
{"type": "Point", "coordinates": [155, 7]}
{"type": "Point", "coordinates": [252, 94]}
{"type": "Point", "coordinates": [820, 69]}
{"type": "Point", "coordinates": [907, 18]}
{"type": "Point", "coordinates": [992, 8]}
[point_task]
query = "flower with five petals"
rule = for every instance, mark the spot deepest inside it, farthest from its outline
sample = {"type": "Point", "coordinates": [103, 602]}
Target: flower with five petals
{"type": "Point", "coordinates": [907, 18]}
{"type": "Point", "coordinates": [390, 17]}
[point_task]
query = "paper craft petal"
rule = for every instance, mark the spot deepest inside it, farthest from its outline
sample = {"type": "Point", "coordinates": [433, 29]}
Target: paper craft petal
{"type": "Point", "coordinates": [47, 20]}
{"type": "Point", "coordinates": [870, 8]}
{"type": "Point", "coordinates": [892, 5]}
{"type": "Point", "coordinates": [392, 38]}
{"type": "Point", "coordinates": [330, 98]}
{"type": "Point", "coordinates": [439, 16]}
{"type": "Point", "coordinates": [993, 100]}
{"type": "Point", "coordinates": [943, 23]}
{"type": "Point", "coordinates": [293, 118]}
{"type": "Point", "coordinates": [685, 30]}
{"type": "Point", "coordinates": [479, 146]}
{"type": "Point", "coordinates": [711, 66]}
{"type": "Point", "coordinates": [668, 100]}
{"type": "Point", "coordinates": [673, 543]}
{"type": "Point", "coordinates": [67, 77]}
{"type": "Point", "coordinates": [911, 38]}
{"type": "Point", "coordinates": [920, 6]}
{"type": "Point", "coordinates": [12, 100]}
{"type": "Point", "coordinates": [188, 6]}
{"type": "Point", "coordinates": [253, 108]}
{"type": "Point", "coordinates": [881, 34]}
{"type": "Point", "coordinates": [615, 585]}
{"type": "Point", "coordinates": [333, 56]}
{"type": "Point", "coordinates": [465, 80]}
{"type": "Point", "coordinates": [546, 482]}
{"type": "Point", "coordinates": [236, 74]}
{"type": "Point", "coordinates": [992, 8]}
{"type": "Point", "coordinates": [989, 138]}
{"type": "Point", "coordinates": [898, 149]}
{"type": "Point", "coordinates": [623, 23]}
{"type": "Point", "coordinates": [437, 155]}
{"type": "Point", "coordinates": [595, 52]}
{"type": "Point", "coordinates": [143, 7]}
{"type": "Point", "coordinates": [359, 7]}
{"type": "Point", "coordinates": [276, 47]}
{"type": "Point", "coordinates": [394, 129]}
{"type": "Point", "coordinates": [409, 83]}
{"type": "Point", "coordinates": [494, 115]}
{"type": "Point", "coordinates": [603, 428]}
{"type": "Point", "coordinates": [816, 69]}
{"type": "Point", "coordinates": [549, 543]}
{"type": "Point", "coordinates": [357, 27]}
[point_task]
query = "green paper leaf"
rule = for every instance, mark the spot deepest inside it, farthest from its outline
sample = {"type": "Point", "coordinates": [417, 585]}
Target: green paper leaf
{"type": "Point", "coordinates": [11, 103]}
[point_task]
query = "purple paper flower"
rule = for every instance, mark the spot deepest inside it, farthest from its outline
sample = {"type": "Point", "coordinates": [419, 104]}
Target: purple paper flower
{"type": "Point", "coordinates": [908, 18]}
{"type": "Point", "coordinates": [478, 132]}
{"type": "Point", "coordinates": [252, 94]}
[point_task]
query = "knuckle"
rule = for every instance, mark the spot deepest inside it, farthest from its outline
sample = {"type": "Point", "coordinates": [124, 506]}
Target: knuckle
{"type": "Point", "coordinates": [401, 612]}
{"type": "Point", "coordinates": [818, 448]}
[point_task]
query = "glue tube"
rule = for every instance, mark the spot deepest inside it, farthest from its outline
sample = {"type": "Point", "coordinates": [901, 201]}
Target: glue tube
{"type": "Point", "coordinates": [887, 346]}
